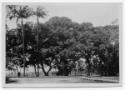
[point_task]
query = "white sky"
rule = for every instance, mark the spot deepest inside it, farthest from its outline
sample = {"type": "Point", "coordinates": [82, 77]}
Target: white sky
{"type": "Point", "coordinates": [96, 13]}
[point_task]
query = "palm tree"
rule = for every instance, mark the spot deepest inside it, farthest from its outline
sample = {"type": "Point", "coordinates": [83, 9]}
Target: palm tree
{"type": "Point", "coordinates": [20, 12]}
{"type": "Point", "coordinates": [39, 13]}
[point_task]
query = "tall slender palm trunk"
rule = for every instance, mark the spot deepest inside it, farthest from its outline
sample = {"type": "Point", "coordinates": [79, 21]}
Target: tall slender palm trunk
{"type": "Point", "coordinates": [38, 45]}
{"type": "Point", "coordinates": [24, 61]}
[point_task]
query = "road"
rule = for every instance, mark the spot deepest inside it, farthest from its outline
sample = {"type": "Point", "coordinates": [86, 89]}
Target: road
{"type": "Point", "coordinates": [61, 79]}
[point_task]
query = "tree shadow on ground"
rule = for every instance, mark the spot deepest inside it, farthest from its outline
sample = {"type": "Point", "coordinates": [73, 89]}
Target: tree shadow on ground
{"type": "Point", "coordinates": [8, 80]}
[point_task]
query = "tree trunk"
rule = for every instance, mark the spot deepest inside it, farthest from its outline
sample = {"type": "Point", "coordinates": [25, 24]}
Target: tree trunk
{"type": "Point", "coordinates": [46, 73]}
{"type": "Point", "coordinates": [38, 70]}
{"type": "Point", "coordinates": [23, 47]}
{"type": "Point", "coordinates": [38, 45]}
{"type": "Point", "coordinates": [35, 70]}
{"type": "Point", "coordinates": [49, 70]}
{"type": "Point", "coordinates": [43, 69]}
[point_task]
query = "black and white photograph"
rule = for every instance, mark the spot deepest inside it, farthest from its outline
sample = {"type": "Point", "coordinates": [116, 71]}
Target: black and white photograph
{"type": "Point", "coordinates": [62, 44]}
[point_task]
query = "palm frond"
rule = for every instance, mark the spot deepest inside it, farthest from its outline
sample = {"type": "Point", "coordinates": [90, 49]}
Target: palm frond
{"type": "Point", "coordinates": [41, 12]}
{"type": "Point", "coordinates": [19, 11]}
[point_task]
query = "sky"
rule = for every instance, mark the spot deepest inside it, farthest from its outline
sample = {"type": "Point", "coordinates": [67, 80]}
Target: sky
{"type": "Point", "coordinates": [99, 14]}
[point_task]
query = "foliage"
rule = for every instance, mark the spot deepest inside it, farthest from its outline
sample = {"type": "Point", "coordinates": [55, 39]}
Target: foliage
{"type": "Point", "coordinates": [60, 43]}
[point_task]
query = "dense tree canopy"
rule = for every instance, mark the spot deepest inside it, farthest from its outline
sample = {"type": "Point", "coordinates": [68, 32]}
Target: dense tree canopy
{"type": "Point", "coordinates": [60, 43]}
